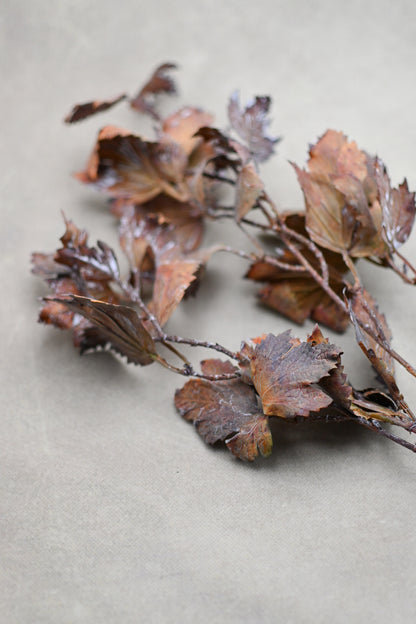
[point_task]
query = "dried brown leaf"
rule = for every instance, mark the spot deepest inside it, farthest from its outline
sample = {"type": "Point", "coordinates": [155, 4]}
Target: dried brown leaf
{"type": "Point", "coordinates": [248, 191]}
{"type": "Point", "coordinates": [159, 83]}
{"type": "Point", "coordinates": [225, 410]}
{"type": "Point", "coordinates": [335, 384]}
{"type": "Point", "coordinates": [82, 111]}
{"type": "Point", "coordinates": [373, 335]}
{"type": "Point", "coordinates": [294, 293]}
{"type": "Point", "coordinates": [251, 124]}
{"type": "Point", "coordinates": [182, 126]}
{"type": "Point", "coordinates": [301, 298]}
{"type": "Point", "coordinates": [339, 195]}
{"type": "Point", "coordinates": [128, 168]}
{"type": "Point", "coordinates": [77, 269]}
{"type": "Point", "coordinates": [118, 325]}
{"type": "Point", "coordinates": [285, 373]}
{"type": "Point", "coordinates": [164, 249]}
{"type": "Point", "coordinates": [397, 205]}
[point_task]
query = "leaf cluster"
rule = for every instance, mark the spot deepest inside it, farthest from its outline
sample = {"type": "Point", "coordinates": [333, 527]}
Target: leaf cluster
{"type": "Point", "coordinates": [164, 191]}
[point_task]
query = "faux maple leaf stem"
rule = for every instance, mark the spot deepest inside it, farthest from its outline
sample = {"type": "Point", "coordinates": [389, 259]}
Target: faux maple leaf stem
{"type": "Point", "coordinates": [373, 425]}
{"type": "Point", "coordinates": [410, 369]}
{"type": "Point", "coordinates": [201, 343]}
{"type": "Point", "coordinates": [295, 268]}
{"type": "Point", "coordinates": [351, 266]}
{"type": "Point", "coordinates": [188, 371]}
{"type": "Point", "coordinates": [280, 227]}
{"type": "Point", "coordinates": [402, 273]}
{"type": "Point", "coordinates": [218, 178]}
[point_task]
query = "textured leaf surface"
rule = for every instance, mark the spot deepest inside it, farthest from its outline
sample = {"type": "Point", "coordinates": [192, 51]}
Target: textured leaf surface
{"type": "Point", "coordinates": [285, 372]}
{"type": "Point", "coordinates": [340, 193]}
{"type": "Point", "coordinates": [127, 167]}
{"type": "Point", "coordinates": [225, 410]}
{"type": "Point", "coordinates": [182, 126]}
{"type": "Point", "coordinates": [295, 294]}
{"type": "Point", "coordinates": [119, 326]}
{"type": "Point", "coordinates": [251, 124]}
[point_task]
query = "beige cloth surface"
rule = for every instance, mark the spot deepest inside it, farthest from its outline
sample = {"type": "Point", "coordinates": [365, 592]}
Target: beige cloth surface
{"type": "Point", "coordinates": [113, 510]}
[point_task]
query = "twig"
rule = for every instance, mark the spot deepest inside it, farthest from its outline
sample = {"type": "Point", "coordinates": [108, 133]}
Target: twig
{"type": "Point", "coordinates": [201, 343]}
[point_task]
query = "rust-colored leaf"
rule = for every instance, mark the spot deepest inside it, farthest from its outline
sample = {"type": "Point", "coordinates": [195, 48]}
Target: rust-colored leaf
{"type": "Point", "coordinates": [285, 373]}
{"type": "Point", "coordinates": [249, 189]}
{"type": "Point", "coordinates": [127, 167]}
{"type": "Point", "coordinates": [159, 83]}
{"type": "Point", "coordinates": [301, 298]}
{"type": "Point", "coordinates": [182, 126]}
{"type": "Point", "coordinates": [82, 111]}
{"type": "Point", "coordinates": [397, 205]}
{"type": "Point", "coordinates": [176, 271]}
{"type": "Point", "coordinates": [373, 335]}
{"type": "Point", "coordinates": [251, 125]}
{"type": "Point", "coordinates": [77, 269]}
{"type": "Point", "coordinates": [225, 410]}
{"type": "Point", "coordinates": [294, 293]}
{"type": "Point", "coordinates": [339, 191]}
{"type": "Point", "coordinates": [118, 325]}
{"type": "Point", "coordinates": [335, 384]}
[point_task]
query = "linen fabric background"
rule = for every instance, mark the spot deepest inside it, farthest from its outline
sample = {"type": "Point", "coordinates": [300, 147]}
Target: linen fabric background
{"type": "Point", "coordinates": [112, 508]}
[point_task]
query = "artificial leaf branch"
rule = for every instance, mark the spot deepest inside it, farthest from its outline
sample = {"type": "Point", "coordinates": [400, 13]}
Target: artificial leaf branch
{"type": "Point", "coordinates": [163, 191]}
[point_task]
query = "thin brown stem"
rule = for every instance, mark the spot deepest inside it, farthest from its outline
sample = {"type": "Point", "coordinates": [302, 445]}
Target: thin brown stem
{"type": "Point", "coordinates": [296, 268]}
{"type": "Point", "coordinates": [218, 178]}
{"type": "Point", "coordinates": [405, 261]}
{"type": "Point", "coordinates": [188, 371]}
{"type": "Point", "coordinates": [202, 343]}
{"type": "Point", "coordinates": [351, 267]}
{"type": "Point", "coordinates": [387, 348]}
{"type": "Point", "coordinates": [251, 238]}
{"type": "Point", "coordinates": [282, 227]}
{"type": "Point", "coordinates": [402, 274]}
{"type": "Point", "coordinates": [375, 426]}
{"type": "Point", "coordinates": [176, 352]}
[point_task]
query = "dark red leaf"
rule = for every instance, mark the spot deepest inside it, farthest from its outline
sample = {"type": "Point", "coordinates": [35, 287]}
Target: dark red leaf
{"type": "Point", "coordinates": [82, 111]}
{"type": "Point", "coordinates": [159, 83]}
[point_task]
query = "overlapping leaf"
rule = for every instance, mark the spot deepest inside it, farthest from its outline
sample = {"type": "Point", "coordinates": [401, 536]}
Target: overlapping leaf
{"type": "Point", "coordinates": [159, 83]}
{"type": "Point", "coordinates": [77, 269]}
{"type": "Point", "coordinates": [286, 372]}
{"type": "Point", "coordinates": [127, 167]}
{"type": "Point", "coordinates": [373, 335]}
{"type": "Point", "coordinates": [251, 125]}
{"type": "Point", "coordinates": [225, 410]}
{"type": "Point", "coordinates": [162, 250]}
{"type": "Point", "coordinates": [182, 126]}
{"type": "Point", "coordinates": [117, 325]}
{"type": "Point", "coordinates": [249, 189]}
{"type": "Point", "coordinates": [397, 205]}
{"type": "Point", "coordinates": [294, 293]}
